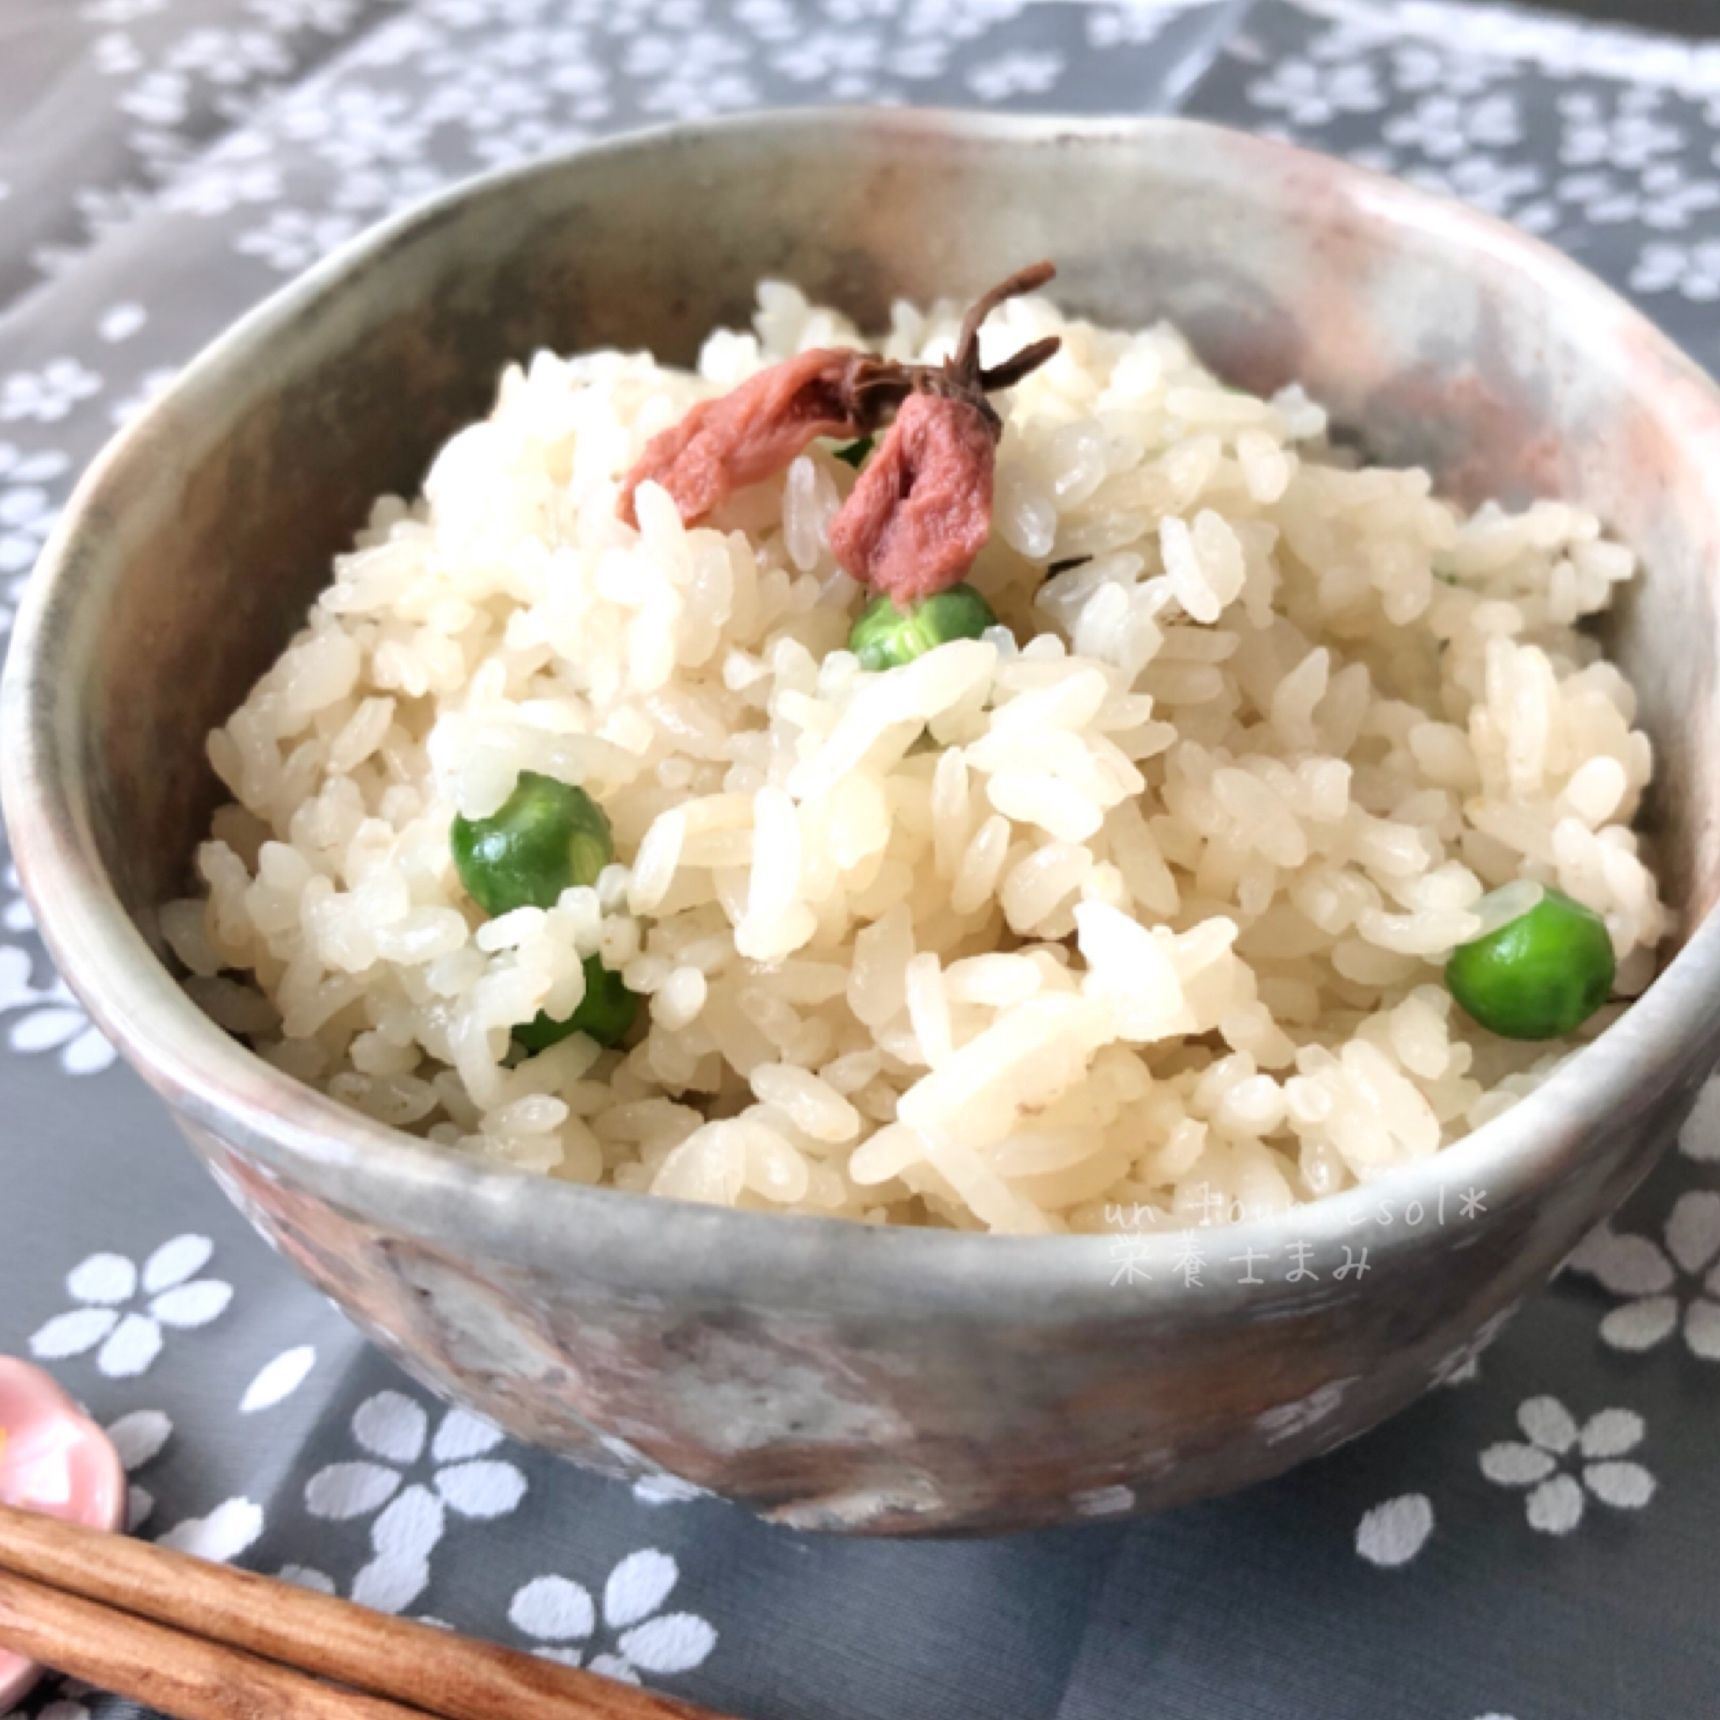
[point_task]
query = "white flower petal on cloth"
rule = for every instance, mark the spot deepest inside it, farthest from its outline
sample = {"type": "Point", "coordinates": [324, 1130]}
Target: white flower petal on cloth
{"type": "Point", "coordinates": [1699, 1139]}
{"type": "Point", "coordinates": [88, 1054]}
{"type": "Point", "coordinates": [279, 1379]}
{"type": "Point", "coordinates": [410, 1527]}
{"type": "Point", "coordinates": [189, 1305]}
{"type": "Point", "coordinates": [176, 1261]}
{"type": "Point", "coordinates": [638, 1586]}
{"type": "Point", "coordinates": [139, 1508]}
{"type": "Point", "coordinates": [391, 1584]}
{"type": "Point", "coordinates": [463, 1434]}
{"type": "Point", "coordinates": [104, 1278]}
{"type": "Point", "coordinates": [72, 1334]}
{"type": "Point", "coordinates": [391, 1425]}
{"type": "Point", "coordinates": [1512, 1465]}
{"type": "Point", "coordinates": [1626, 1486]}
{"type": "Point", "coordinates": [343, 1490]}
{"type": "Point", "coordinates": [613, 1666]}
{"type": "Point", "coordinates": [1392, 1533]}
{"type": "Point", "coordinates": [666, 1490]}
{"type": "Point", "coordinates": [1640, 1325]}
{"type": "Point", "coordinates": [563, 1656]}
{"type": "Point", "coordinates": [1548, 1423]}
{"type": "Point", "coordinates": [1556, 1506]}
{"type": "Point", "coordinates": [482, 1489]}
{"type": "Point", "coordinates": [304, 1577]}
{"type": "Point", "coordinates": [1693, 1229]}
{"type": "Point", "coordinates": [676, 1642]}
{"type": "Point", "coordinates": [135, 1344]}
{"type": "Point", "coordinates": [1611, 1433]}
{"type": "Point", "coordinates": [1702, 1329]}
{"type": "Point", "coordinates": [44, 1029]}
{"type": "Point", "coordinates": [1625, 1265]}
{"type": "Point", "coordinates": [553, 1609]}
{"type": "Point", "coordinates": [223, 1535]}
{"type": "Point", "coordinates": [139, 1436]}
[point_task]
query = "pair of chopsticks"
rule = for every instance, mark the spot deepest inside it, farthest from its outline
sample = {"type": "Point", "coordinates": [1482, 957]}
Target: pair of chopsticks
{"type": "Point", "coordinates": [203, 1642]}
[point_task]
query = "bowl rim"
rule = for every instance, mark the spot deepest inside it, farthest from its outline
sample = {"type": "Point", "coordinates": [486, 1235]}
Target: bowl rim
{"type": "Point", "coordinates": [528, 1218]}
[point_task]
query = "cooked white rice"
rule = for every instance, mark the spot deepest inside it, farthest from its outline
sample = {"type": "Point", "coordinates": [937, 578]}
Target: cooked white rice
{"type": "Point", "coordinates": [1151, 924]}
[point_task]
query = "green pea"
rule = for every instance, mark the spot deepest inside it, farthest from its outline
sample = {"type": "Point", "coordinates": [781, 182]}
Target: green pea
{"type": "Point", "coordinates": [1538, 976]}
{"type": "Point", "coordinates": [854, 453]}
{"type": "Point", "coordinates": [606, 1012]}
{"type": "Point", "coordinates": [885, 637]}
{"type": "Point", "coordinates": [547, 837]}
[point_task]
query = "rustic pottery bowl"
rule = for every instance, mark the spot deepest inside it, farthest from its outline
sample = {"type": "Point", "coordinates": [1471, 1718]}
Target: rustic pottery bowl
{"type": "Point", "coordinates": [830, 1375]}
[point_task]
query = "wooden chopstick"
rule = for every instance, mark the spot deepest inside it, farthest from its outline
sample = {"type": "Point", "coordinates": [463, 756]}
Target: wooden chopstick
{"type": "Point", "coordinates": [126, 1609]}
{"type": "Point", "coordinates": [185, 1676]}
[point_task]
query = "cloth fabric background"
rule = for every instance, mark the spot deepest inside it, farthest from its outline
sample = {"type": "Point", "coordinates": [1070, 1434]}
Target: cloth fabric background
{"type": "Point", "coordinates": [1540, 1540]}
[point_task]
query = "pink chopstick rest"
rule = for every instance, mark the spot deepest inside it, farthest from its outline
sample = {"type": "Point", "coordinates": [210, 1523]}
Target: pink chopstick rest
{"type": "Point", "coordinates": [55, 1460]}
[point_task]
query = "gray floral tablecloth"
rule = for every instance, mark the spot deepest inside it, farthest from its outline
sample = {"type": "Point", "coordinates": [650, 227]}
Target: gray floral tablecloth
{"type": "Point", "coordinates": [1540, 1540]}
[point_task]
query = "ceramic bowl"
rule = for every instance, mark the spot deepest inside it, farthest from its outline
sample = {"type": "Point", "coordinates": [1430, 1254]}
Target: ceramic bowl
{"type": "Point", "coordinates": [830, 1375]}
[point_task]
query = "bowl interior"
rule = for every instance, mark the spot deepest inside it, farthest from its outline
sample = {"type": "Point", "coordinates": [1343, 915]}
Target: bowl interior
{"type": "Point", "coordinates": [1439, 337]}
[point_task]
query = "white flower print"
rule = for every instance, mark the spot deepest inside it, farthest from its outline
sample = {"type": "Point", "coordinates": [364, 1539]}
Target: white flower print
{"type": "Point", "coordinates": [43, 1017]}
{"type": "Point", "coordinates": [668, 1490]}
{"type": "Point", "coordinates": [1442, 126]}
{"type": "Point", "coordinates": [1668, 266]}
{"type": "Point", "coordinates": [411, 1519]}
{"type": "Point", "coordinates": [559, 1616]}
{"type": "Point", "coordinates": [1015, 74]}
{"type": "Point", "coordinates": [221, 1536]}
{"type": "Point", "coordinates": [1563, 1465]}
{"type": "Point", "coordinates": [1648, 1273]}
{"type": "Point", "coordinates": [277, 1380]}
{"type": "Point", "coordinates": [1309, 94]}
{"type": "Point", "coordinates": [1699, 1139]}
{"type": "Point", "coordinates": [48, 394]}
{"type": "Point", "coordinates": [286, 16]}
{"type": "Point", "coordinates": [120, 322]}
{"type": "Point", "coordinates": [121, 11]}
{"type": "Point", "coordinates": [28, 508]}
{"type": "Point", "coordinates": [103, 1286]}
{"type": "Point", "coordinates": [1393, 1533]}
{"type": "Point", "coordinates": [150, 385]}
{"type": "Point", "coordinates": [138, 1438]}
{"type": "Point", "coordinates": [293, 239]}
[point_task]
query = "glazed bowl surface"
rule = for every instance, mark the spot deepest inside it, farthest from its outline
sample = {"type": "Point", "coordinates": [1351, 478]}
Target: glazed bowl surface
{"type": "Point", "coordinates": [831, 1375]}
